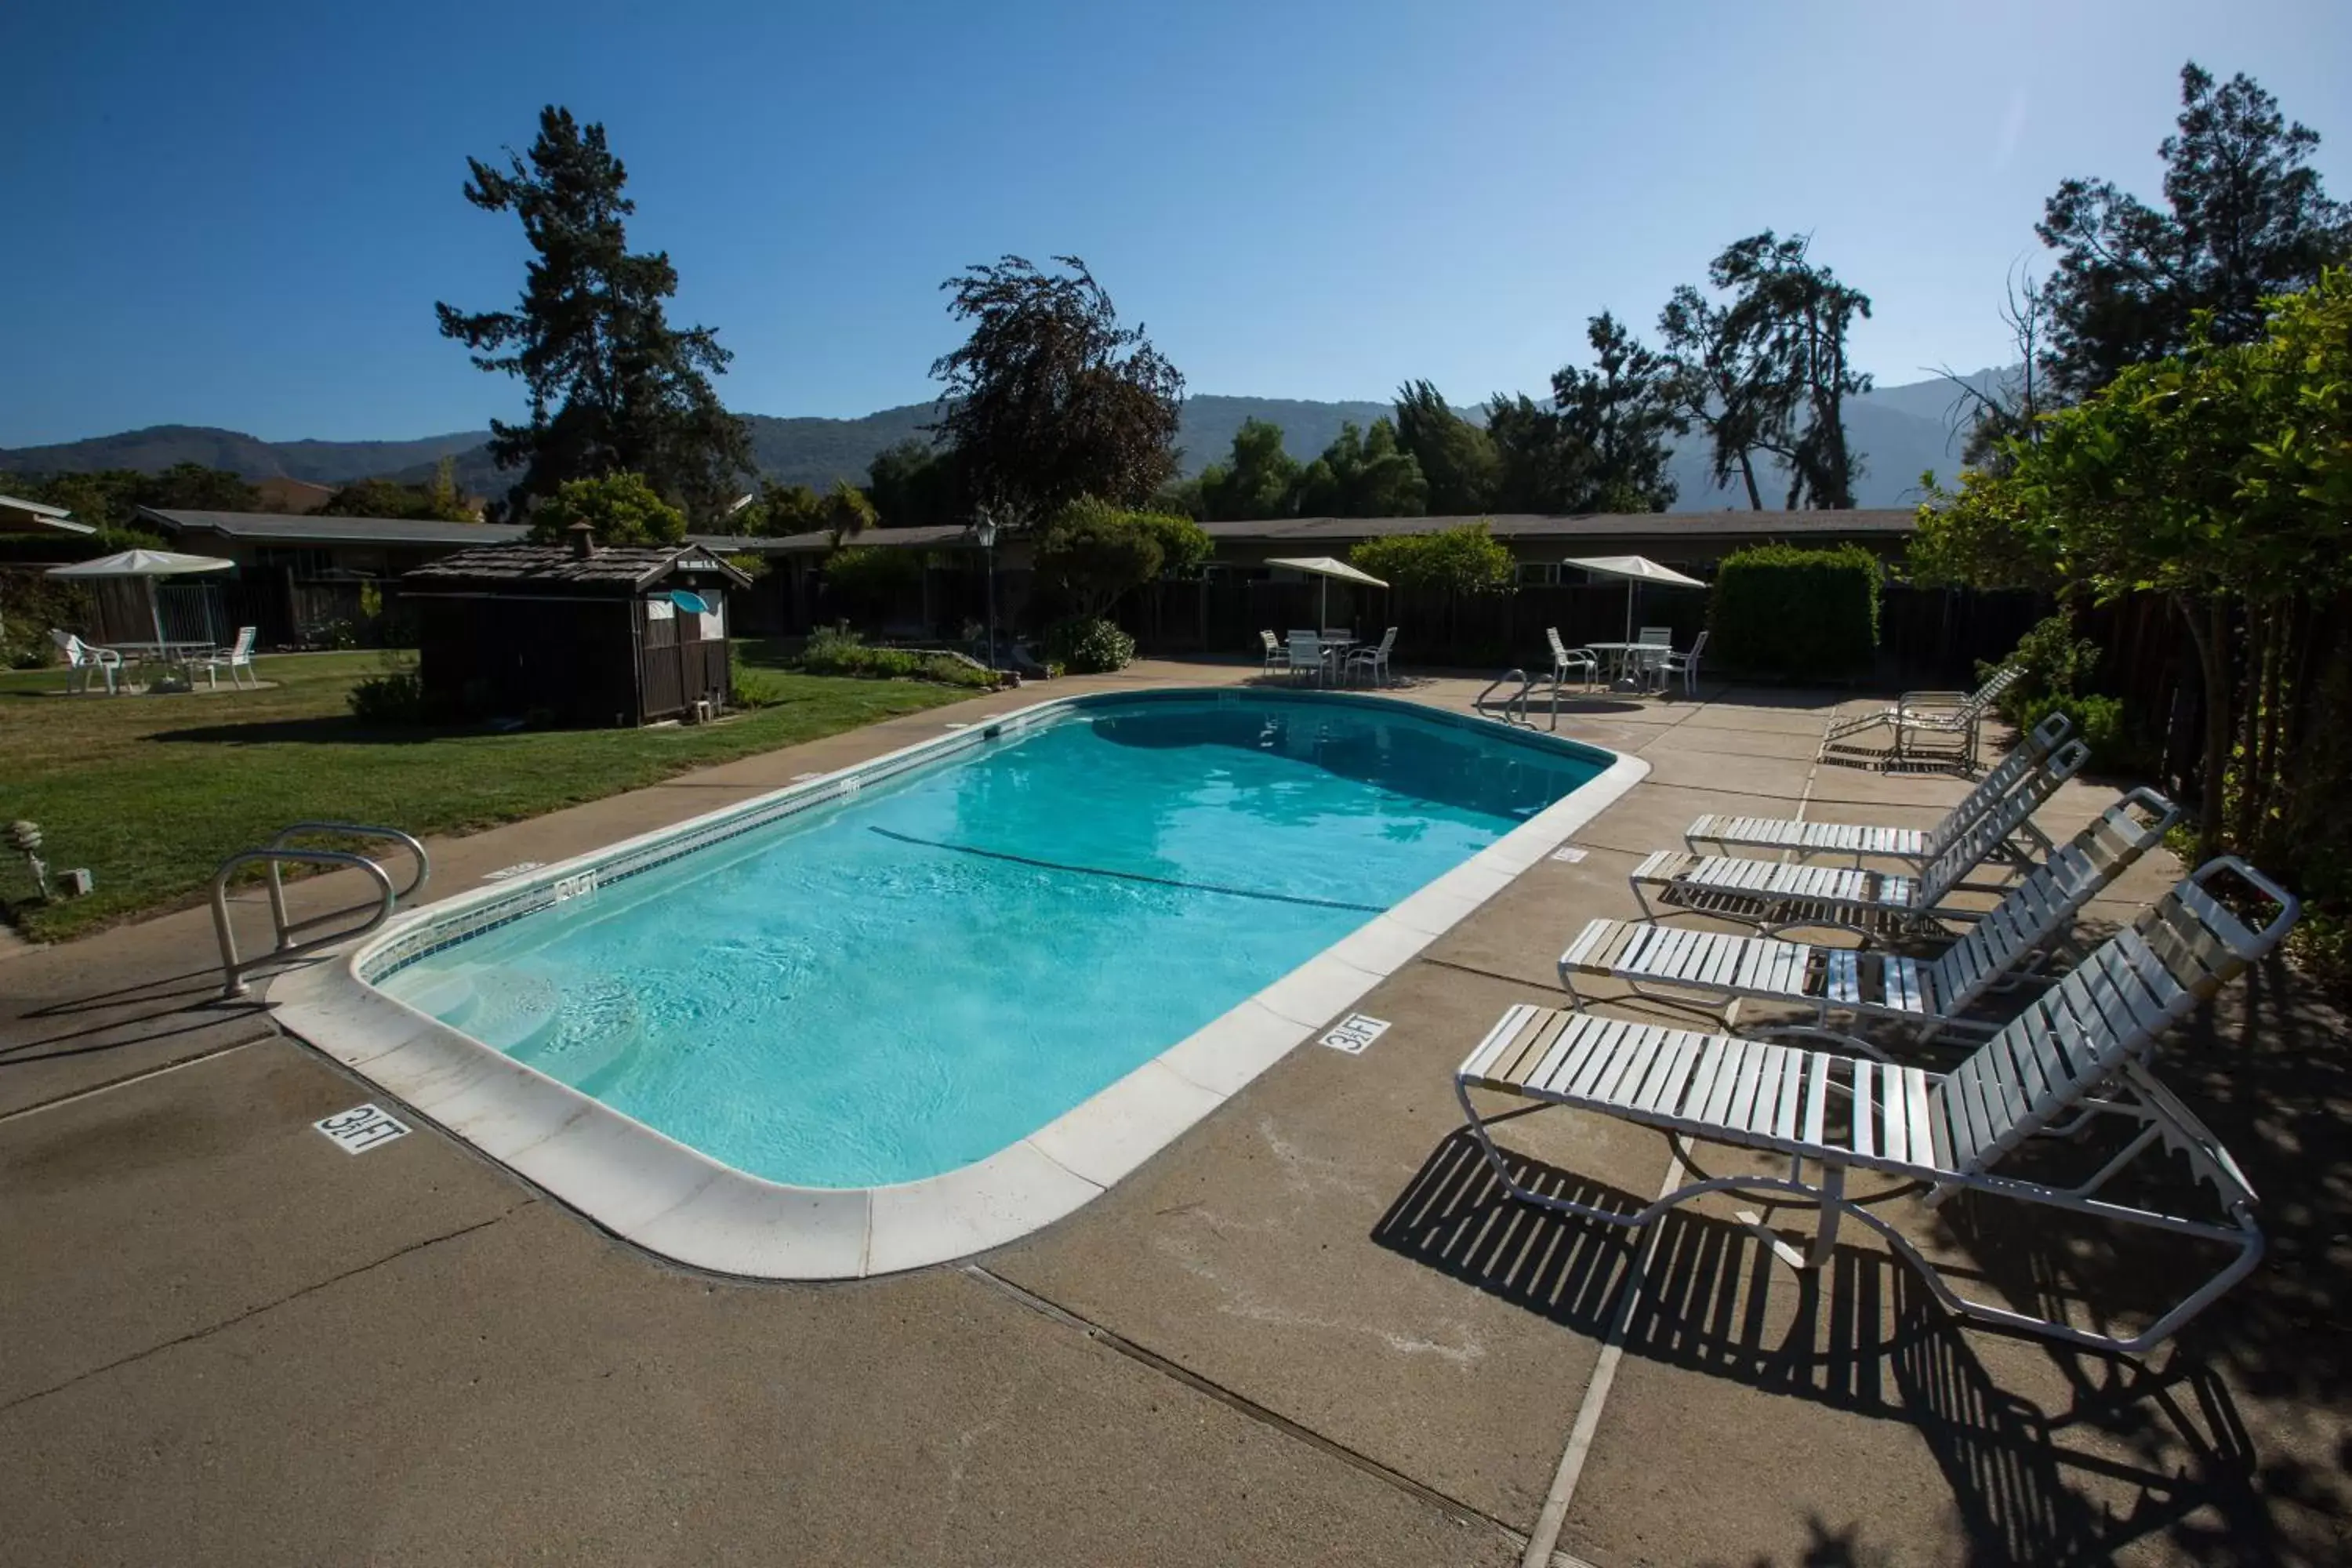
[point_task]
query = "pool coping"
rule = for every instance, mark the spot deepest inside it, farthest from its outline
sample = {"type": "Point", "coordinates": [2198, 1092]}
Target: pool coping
{"type": "Point", "coordinates": [646, 1188]}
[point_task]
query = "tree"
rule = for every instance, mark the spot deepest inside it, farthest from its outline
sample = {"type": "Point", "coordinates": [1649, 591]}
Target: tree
{"type": "Point", "coordinates": [621, 507]}
{"type": "Point", "coordinates": [783, 510]}
{"type": "Point", "coordinates": [1090, 554]}
{"type": "Point", "coordinates": [1050, 398]}
{"type": "Point", "coordinates": [913, 485]}
{"type": "Point", "coordinates": [1533, 470]}
{"type": "Point", "coordinates": [1796, 314]}
{"type": "Point", "coordinates": [1464, 559]}
{"type": "Point", "coordinates": [844, 511]}
{"type": "Point", "coordinates": [1260, 482]}
{"type": "Point", "coordinates": [1616, 422]}
{"type": "Point", "coordinates": [1726, 376]}
{"type": "Point", "coordinates": [1364, 473]}
{"type": "Point", "coordinates": [613, 387]}
{"type": "Point", "coordinates": [2244, 216]}
{"type": "Point", "coordinates": [2009, 409]}
{"type": "Point", "coordinates": [435, 501]}
{"type": "Point", "coordinates": [1455, 457]}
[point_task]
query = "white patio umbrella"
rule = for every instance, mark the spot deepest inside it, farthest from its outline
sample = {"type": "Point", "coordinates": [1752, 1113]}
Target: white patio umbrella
{"type": "Point", "coordinates": [1636, 570]}
{"type": "Point", "coordinates": [149, 564]}
{"type": "Point", "coordinates": [1327, 568]}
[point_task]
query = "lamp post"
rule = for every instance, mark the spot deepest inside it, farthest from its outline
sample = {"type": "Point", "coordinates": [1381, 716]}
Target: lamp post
{"type": "Point", "coordinates": [983, 529]}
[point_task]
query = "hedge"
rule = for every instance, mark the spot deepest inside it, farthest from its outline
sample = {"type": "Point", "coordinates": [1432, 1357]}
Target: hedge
{"type": "Point", "coordinates": [1808, 614]}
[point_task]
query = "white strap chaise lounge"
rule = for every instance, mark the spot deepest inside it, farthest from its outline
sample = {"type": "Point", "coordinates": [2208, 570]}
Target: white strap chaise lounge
{"type": "Point", "coordinates": [2076, 1055]}
{"type": "Point", "coordinates": [1917, 716]}
{"type": "Point", "coordinates": [1776, 895]}
{"type": "Point", "coordinates": [1882, 988]}
{"type": "Point", "coordinates": [1917, 845]}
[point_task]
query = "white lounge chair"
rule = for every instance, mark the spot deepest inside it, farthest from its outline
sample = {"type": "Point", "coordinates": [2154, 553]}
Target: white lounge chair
{"type": "Point", "coordinates": [238, 656]}
{"type": "Point", "coordinates": [1921, 716]}
{"type": "Point", "coordinates": [1918, 844]}
{"type": "Point", "coordinates": [1779, 896]}
{"type": "Point", "coordinates": [1374, 659]}
{"type": "Point", "coordinates": [2030, 922]}
{"type": "Point", "coordinates": [2077, 1053]}
{"type": "Point", "coordinates": [1566, 659]}
{"type": "Point", "coordinates": [81, 657]}
{"type": "Point", "coordinates": [1277, 656]}
{"type": "Point", "coordinates": [1685, 664]}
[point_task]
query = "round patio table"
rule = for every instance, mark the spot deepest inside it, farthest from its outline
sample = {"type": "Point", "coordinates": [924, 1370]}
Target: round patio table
{"type": "Point", "coordinates": [1633, 674]}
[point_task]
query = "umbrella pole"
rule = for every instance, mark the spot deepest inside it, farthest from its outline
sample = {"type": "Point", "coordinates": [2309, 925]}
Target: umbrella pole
{"type": "Point", "coordinates": [155, 614]}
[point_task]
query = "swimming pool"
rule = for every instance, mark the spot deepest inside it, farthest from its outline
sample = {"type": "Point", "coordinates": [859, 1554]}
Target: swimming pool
{"type": "Point", "coordinates": [974, 981]}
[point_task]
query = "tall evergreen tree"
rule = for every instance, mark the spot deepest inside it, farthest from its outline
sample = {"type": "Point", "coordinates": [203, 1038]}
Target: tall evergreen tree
{"type": "Point", "coordinates": [1364, 473]}
{"type": "Point", "coordinates": [913, 484]}
{"type": "Point", "coordinates": [1050, 398]}
{"type": "Point", "coordinates": [1794, 315]}
{"type": "Point", "coordinates": [1534, 471]}
{"type": "Point", "coordinates": [2244, 216]}
{"type": "Point", "coordinates": [1727, 379]}
{"type": "Point", "coordinates": [614, 387]}
{"type": "Point", "coordinates": [1616, 421]}
{"type": "Point", "coordinates": [1261, 480]}
{"type": "Point", "coordinates": [1456, 458]}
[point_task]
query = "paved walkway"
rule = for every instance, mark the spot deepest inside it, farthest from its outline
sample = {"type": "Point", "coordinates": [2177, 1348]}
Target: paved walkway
{"type": "Point", "coordinates": [1308, 1330]}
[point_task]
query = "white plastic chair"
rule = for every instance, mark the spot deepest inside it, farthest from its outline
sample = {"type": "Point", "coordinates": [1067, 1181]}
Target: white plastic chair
{"type": "Point", "coordinates": [1374, 659]}
{"type": "Point", "coordinates": [1277, 658]}
{"type": "Point", "coordinates": [1686, 665]}
{"type": "Point", "coordinates": [81, 659]}
{"type": "Point", "coordinates": [1565, 659]}
{"type": "Point", "coordinates": [1650, 659]}
{"type": "Point", "coordinates": [238, 656]}
{"type": "Point", "coordinates": [1306, 654]}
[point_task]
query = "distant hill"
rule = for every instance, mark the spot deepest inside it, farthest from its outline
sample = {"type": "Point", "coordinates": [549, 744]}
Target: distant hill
{"type": "Point", "coordinates": [1899, 430]}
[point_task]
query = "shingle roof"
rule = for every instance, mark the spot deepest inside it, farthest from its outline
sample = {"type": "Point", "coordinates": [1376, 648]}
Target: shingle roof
{"type": "Point", "coordinates": [930, 536]}
{"type": "Point", "coordinates": [277, 528]}
{"type": "Point", "coordinates": [555, 565]}
{"type": "Point", "coordinates": [1656, 525]}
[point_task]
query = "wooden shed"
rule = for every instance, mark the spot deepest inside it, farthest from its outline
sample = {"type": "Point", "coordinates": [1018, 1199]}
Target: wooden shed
{"type": "Point", "coordinates": [619, 635]}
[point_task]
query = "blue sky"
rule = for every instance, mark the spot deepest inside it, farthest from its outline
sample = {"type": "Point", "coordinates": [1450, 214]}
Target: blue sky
{"type": "Point", "coordinates": [242, 216]}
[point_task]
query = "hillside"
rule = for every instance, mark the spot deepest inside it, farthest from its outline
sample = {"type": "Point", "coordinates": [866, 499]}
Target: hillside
{"type": "Point", "coordinates": [1900, 430]}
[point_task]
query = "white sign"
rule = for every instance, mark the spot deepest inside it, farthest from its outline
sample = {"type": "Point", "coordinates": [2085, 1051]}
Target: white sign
{"type": "Point", "coordinates": [360, 1129]}
{"type": "Point", "coordinates": [1569, 856]}
{"type": "Point", "coordinates": [1355, 1032]}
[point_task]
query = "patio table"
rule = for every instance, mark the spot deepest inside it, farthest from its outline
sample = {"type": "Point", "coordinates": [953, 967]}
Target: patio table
{"type": "Point", "coordinates": [170, 655]}
{"type": "Point", "coordinates": [1635, 672]}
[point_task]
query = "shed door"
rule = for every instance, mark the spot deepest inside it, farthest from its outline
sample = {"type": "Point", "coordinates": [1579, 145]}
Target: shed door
{"type": "Point", "coordinates": [665, 681]}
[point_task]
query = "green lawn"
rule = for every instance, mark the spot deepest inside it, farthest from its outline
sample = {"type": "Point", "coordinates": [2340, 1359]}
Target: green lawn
{"type": "Point", "coordinates": [151, 792]}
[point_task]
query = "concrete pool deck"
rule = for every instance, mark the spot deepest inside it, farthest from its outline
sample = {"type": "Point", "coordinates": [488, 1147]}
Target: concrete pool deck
{"type": "Point", "coordinates": [1307, 1331]}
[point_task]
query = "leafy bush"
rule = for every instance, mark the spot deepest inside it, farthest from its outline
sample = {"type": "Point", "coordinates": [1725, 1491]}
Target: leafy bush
{"type": "Point", "coordinates": [1465, 560]}
{"type": "Point", "coordinates": [1810, 614]}
{"type": "Point", "coordinates": [752, 688]}
{"type": "Point", "coordinates": [1184, 545]}
{"type": "Point", "coordinates": [830, 652]}
{"type": "Point", "coordinates": [2056, 664]}
{"type": "Point", "coordinates": [1089, 646]}
{"type": "Point", "coordinates": [621, 509]}
{"type": "Point", "coordinates": [1092, 553]}
{"type": "Point", "coordinates": [396, 698]}
{"type": "Point", "coordinates": [2116, 747]}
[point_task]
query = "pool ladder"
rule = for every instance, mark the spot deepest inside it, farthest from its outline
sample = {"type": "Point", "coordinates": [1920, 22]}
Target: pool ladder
{"type": "Point", "coordinates": [278, 852]}
{"type": "Point", "coordinates": [1519, 700]}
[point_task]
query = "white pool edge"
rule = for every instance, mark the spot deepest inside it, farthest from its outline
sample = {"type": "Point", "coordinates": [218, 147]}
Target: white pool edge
{"type": "Point", "coordinates": [678, 1203]}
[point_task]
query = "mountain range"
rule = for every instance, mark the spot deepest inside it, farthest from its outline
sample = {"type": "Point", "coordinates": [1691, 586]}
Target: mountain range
{"type": "Point", "coordinates": [1899, 430]}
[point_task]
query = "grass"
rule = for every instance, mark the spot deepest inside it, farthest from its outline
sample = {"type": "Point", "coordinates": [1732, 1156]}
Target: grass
{"type": "Point", "coordinates": [152, 793]}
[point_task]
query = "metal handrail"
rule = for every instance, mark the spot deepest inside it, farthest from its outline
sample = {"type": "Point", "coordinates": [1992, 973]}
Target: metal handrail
{"type": "Point", "coordinates": [233, 983]}
{"type": "Point", "coordinates": [286, 928]}
{"type": "Point", "coordinates": [1479, 704]}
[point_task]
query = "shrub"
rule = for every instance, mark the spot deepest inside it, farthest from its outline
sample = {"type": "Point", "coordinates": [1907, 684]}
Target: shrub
{"type": "Point", "coordinates": [397, 697]}
{"type": "Point", "coordinates": [1808, 615]}
{"type": "Point", "coordinates": [2056, 664]}
{"type": "Point", "coordinates": [2116, 747]}
{"type": "Point", "coordinates": [1089, 646]}
{"type": "Point", "coordinates": [830, 652]}
{"type": "Point", "coordinates": [621, 509]}
{"type": "Point", "coordinates": [864, 580]}
{"type": "Point", "coordinates": [752, 688]}
{"type": "Point", "coordinates": [1463, 559]}
{"type": "Point", "coordinates": [1092, 553]}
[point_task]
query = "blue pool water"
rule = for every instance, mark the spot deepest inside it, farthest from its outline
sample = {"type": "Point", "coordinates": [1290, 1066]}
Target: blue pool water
{"type": "Point", "coordinates": [907, 981]}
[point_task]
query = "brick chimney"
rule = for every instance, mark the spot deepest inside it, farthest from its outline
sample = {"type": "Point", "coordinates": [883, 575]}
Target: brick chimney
{"type": "Point", "coordinates": [584, 541]}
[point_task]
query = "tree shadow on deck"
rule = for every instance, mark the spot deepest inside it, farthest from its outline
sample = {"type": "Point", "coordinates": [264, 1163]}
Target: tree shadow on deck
{"type": "Point", "coordinates": [2028, 1484]}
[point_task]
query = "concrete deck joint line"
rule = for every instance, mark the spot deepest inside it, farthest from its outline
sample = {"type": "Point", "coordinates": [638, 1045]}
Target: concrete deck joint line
{"type": "Point", "coordinates": [270, 1306]}
{"type": "Point", "coordinates": [1461, 1512]}
{"type": "Point", "coordinates": [267, 1032]}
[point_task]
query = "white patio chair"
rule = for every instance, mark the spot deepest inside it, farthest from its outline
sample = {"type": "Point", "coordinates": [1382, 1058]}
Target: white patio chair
{"type": "Point", "coordinates": [1777, 896]}
{"type": "Point", "coordinates": [1306, 654]}
{"type": "Point", "coordinates": [1565, 659]}
{"type": "Point", "coordinates": [81, 657]}
{"type": "Point", "coordinates": [238, 656]}
{"type": "Point", "coordinates": [1917, 845]}
{"type": "Point", "coordinates": [1277, 658]}
{"type": "Point", "coordinates": [1374, 659]}
{"type": "Point", "coordinates": [2077, 1053]}
{"type": "Point", "coordinates": [2029, 925]}
{"type": "Point", "coordinates": [1649, 659]}
{"type": "Point", "coordinates": [1685, 665]}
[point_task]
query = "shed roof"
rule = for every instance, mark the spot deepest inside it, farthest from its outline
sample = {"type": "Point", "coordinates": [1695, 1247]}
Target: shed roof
{"type": "Point", "coordinates": [17, 513]}
{"type": "Point", "coordinates": [620, 567]}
